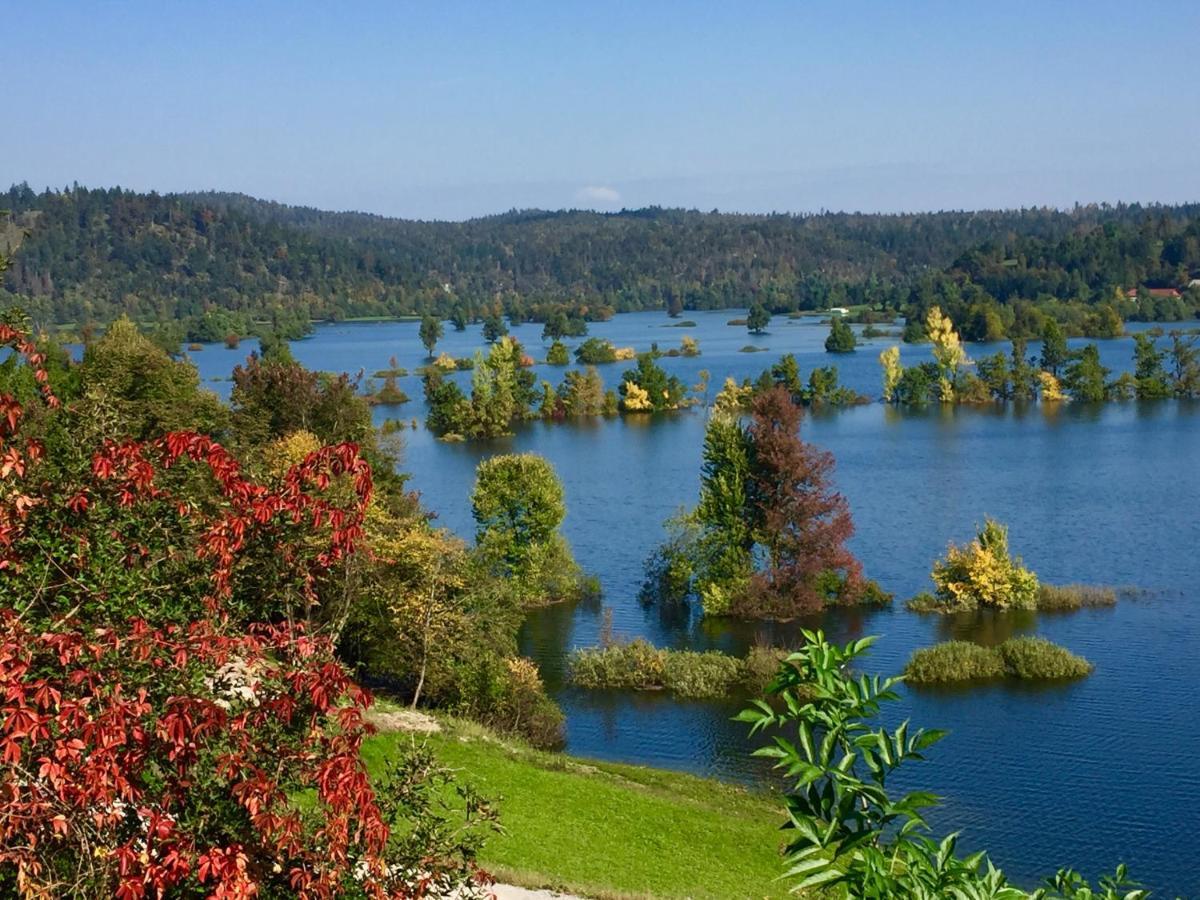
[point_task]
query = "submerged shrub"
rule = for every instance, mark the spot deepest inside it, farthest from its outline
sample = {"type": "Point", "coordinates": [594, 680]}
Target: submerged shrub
{"type": "Point", "coordinates": [1074, 596]}
{"type": "Point", "coordinates": [953, 661]}
{"type": "Point", "coordinates": [1035, 657]}
{"type": "Point", "coordinates": [696, 675]}
{"type": "Point", "coordinates": [640, 666]}
{"type": "Point", "coordinates": [1030, 658]}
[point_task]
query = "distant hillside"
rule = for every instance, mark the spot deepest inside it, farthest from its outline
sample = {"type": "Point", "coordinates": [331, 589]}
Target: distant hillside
{"type": "Point", "coordinates": [84, 255]}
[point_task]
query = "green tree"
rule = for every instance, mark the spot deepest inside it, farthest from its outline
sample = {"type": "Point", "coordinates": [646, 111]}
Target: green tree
{"type": "Point", "coordinates": [1024, 376]}
{"type": "Point", "coordinates": [431, 332]}
{"type": "Point", "coordinates": [518, 507]}
{"type": "Point", "coordinates": [1149, 371]}
{"type": "Point", "coordinates": [557, 354]}
{"type": "Point", "coordinates": [494, 327]}
{"type": "Point", "coordinates": [582, 393]}
{"type": "Point", "coordinates": [724, 516]}
{"type": "Point", "coordinates": [1085, 378]}
{"type": "Point", "coordinates": [758, 318]}
{"type": "Point", "coordinates": [1054, 347]}
{"type": "Point", "coordinates": [1185, 365]}
{"type": "Point", "coordinates": [595, 351]}
{"type": "Point", "coordinates": [996, 375]}
{"type": "Point", "coordinates": [841, 336]}
{"type": "Point", "coordinates": [137, 391]}
{"type": "Point", "coordinates": [556, 326]}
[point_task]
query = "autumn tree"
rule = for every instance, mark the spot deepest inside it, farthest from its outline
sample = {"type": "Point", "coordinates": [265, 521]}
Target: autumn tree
{"type": "Point", "coordinates": [170, 724]}
{"type": "Point", "coordinates": [805, 523]}
{"type": "Point", "coordinates": [893, 371]}
{"type": "Point", "coordinates": [767, 539]}
{"type": "Point", "coordinates": [947, 351]}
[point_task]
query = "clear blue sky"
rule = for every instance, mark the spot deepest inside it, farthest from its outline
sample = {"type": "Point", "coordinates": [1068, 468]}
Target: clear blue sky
{"type": "Point", "coordinates": [448, 110]}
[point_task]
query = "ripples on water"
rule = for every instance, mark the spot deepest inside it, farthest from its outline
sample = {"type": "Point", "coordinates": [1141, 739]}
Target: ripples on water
{"type": "Point", "coordinates": [1087, 774]}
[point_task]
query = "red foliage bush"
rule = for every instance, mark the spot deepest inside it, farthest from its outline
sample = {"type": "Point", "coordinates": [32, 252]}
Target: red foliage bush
{"type": "Point", "coordinates": [182, 750]}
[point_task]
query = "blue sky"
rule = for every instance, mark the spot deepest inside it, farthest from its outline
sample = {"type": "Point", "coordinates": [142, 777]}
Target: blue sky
{"type": "Point", "coordinates": [449, 110]}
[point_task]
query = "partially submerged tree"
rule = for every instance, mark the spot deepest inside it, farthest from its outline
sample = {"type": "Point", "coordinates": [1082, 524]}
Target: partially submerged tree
{"type": "Point", "coordinates": [767, 538]}
{"type": "Point", "coordinates": [430, 332]}
{"type": "Point", "coordinates": [518, 507]}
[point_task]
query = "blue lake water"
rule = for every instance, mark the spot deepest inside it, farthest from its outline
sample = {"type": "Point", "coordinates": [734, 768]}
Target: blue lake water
{"type": "Point", "coordinates": [1086, 774]}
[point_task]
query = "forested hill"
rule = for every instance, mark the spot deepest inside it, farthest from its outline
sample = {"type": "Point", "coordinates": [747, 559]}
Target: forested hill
{"type": "Point", "coordinates": [81, 255]}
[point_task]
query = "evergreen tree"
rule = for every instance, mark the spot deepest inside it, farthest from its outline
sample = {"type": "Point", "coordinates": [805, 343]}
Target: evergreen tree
{"type": "Point", "coordinates": [1024, 376]}
{"type": "Point", "coordinates": [494, 327]}
{"type": "Point", "coordinates": [1149, 373]}
{"type": "Point", "coordinates": [758, 319]}
{"type": "Point", "coordinates": [841, 337]}
{"type": "Point", "coordinates": [1085, 378]}
{"type": "Point", "coordinates": [1054, 347]}
{"type": "Point", "coordinates": [1185, 365]}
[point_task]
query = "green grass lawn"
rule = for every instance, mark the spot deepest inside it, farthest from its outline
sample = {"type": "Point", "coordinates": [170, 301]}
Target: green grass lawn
{"type": "Point", "coordinates": [611, 831]}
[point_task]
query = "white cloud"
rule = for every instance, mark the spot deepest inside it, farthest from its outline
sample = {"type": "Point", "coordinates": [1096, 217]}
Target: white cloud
{"type": "Point", "coordinates": [597, 195]}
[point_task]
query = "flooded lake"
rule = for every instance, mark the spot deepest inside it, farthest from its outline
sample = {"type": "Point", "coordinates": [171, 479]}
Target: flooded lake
{"type": "Point", "coordinates": [1085, 774]}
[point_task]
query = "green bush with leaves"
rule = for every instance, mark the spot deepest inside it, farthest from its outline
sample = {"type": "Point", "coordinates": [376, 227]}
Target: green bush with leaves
{"type": "Point", "coordinates": [848, 835]}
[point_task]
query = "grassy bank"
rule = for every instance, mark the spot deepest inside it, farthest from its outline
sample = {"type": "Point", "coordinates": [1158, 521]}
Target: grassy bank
{"type": "Point", "coordinates": [610, 831]}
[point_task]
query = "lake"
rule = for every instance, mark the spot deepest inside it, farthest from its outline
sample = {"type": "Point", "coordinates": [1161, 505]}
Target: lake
{"type": "Point", "coordinates": [1085, 774]}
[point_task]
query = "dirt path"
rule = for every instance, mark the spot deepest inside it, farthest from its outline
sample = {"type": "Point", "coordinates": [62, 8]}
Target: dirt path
{"type": "Point", "coordinates": [508, 892]}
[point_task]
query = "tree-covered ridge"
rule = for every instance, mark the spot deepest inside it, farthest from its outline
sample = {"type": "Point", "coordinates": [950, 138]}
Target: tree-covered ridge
{"type": "Point", "coordinates": [82, 255]}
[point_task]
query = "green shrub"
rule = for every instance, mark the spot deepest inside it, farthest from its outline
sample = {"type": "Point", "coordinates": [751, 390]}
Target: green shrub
{"type": "Point", "coordinates": [1054, 598]}
{"type": "Point", "coordinates": [507, 694]}
{"type": "Point", "coordinates": [953, 661]}
{"type": "Point", "coordinates": [557, 355]}
{"type": "Point", "coordinates": [697, 675]}
{"type": "Point", "coordinates": [595, 351]}
{"type": "Point", "coordinates": [1038, 658]}
{"type": "Point", "coordinates": [927, 602]}
{"type": "Point", "coordinates": [1029, 658]}
{"type": "Point", "coordinates": [760, 667]}
{"type": "Point", "coordinates": [640, 666]}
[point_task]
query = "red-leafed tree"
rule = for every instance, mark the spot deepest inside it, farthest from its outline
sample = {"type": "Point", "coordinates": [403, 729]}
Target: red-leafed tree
{"type": "Point", "coordinates": [802, 522]}
{"type": "Point", "coordinates": [169, 725]}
